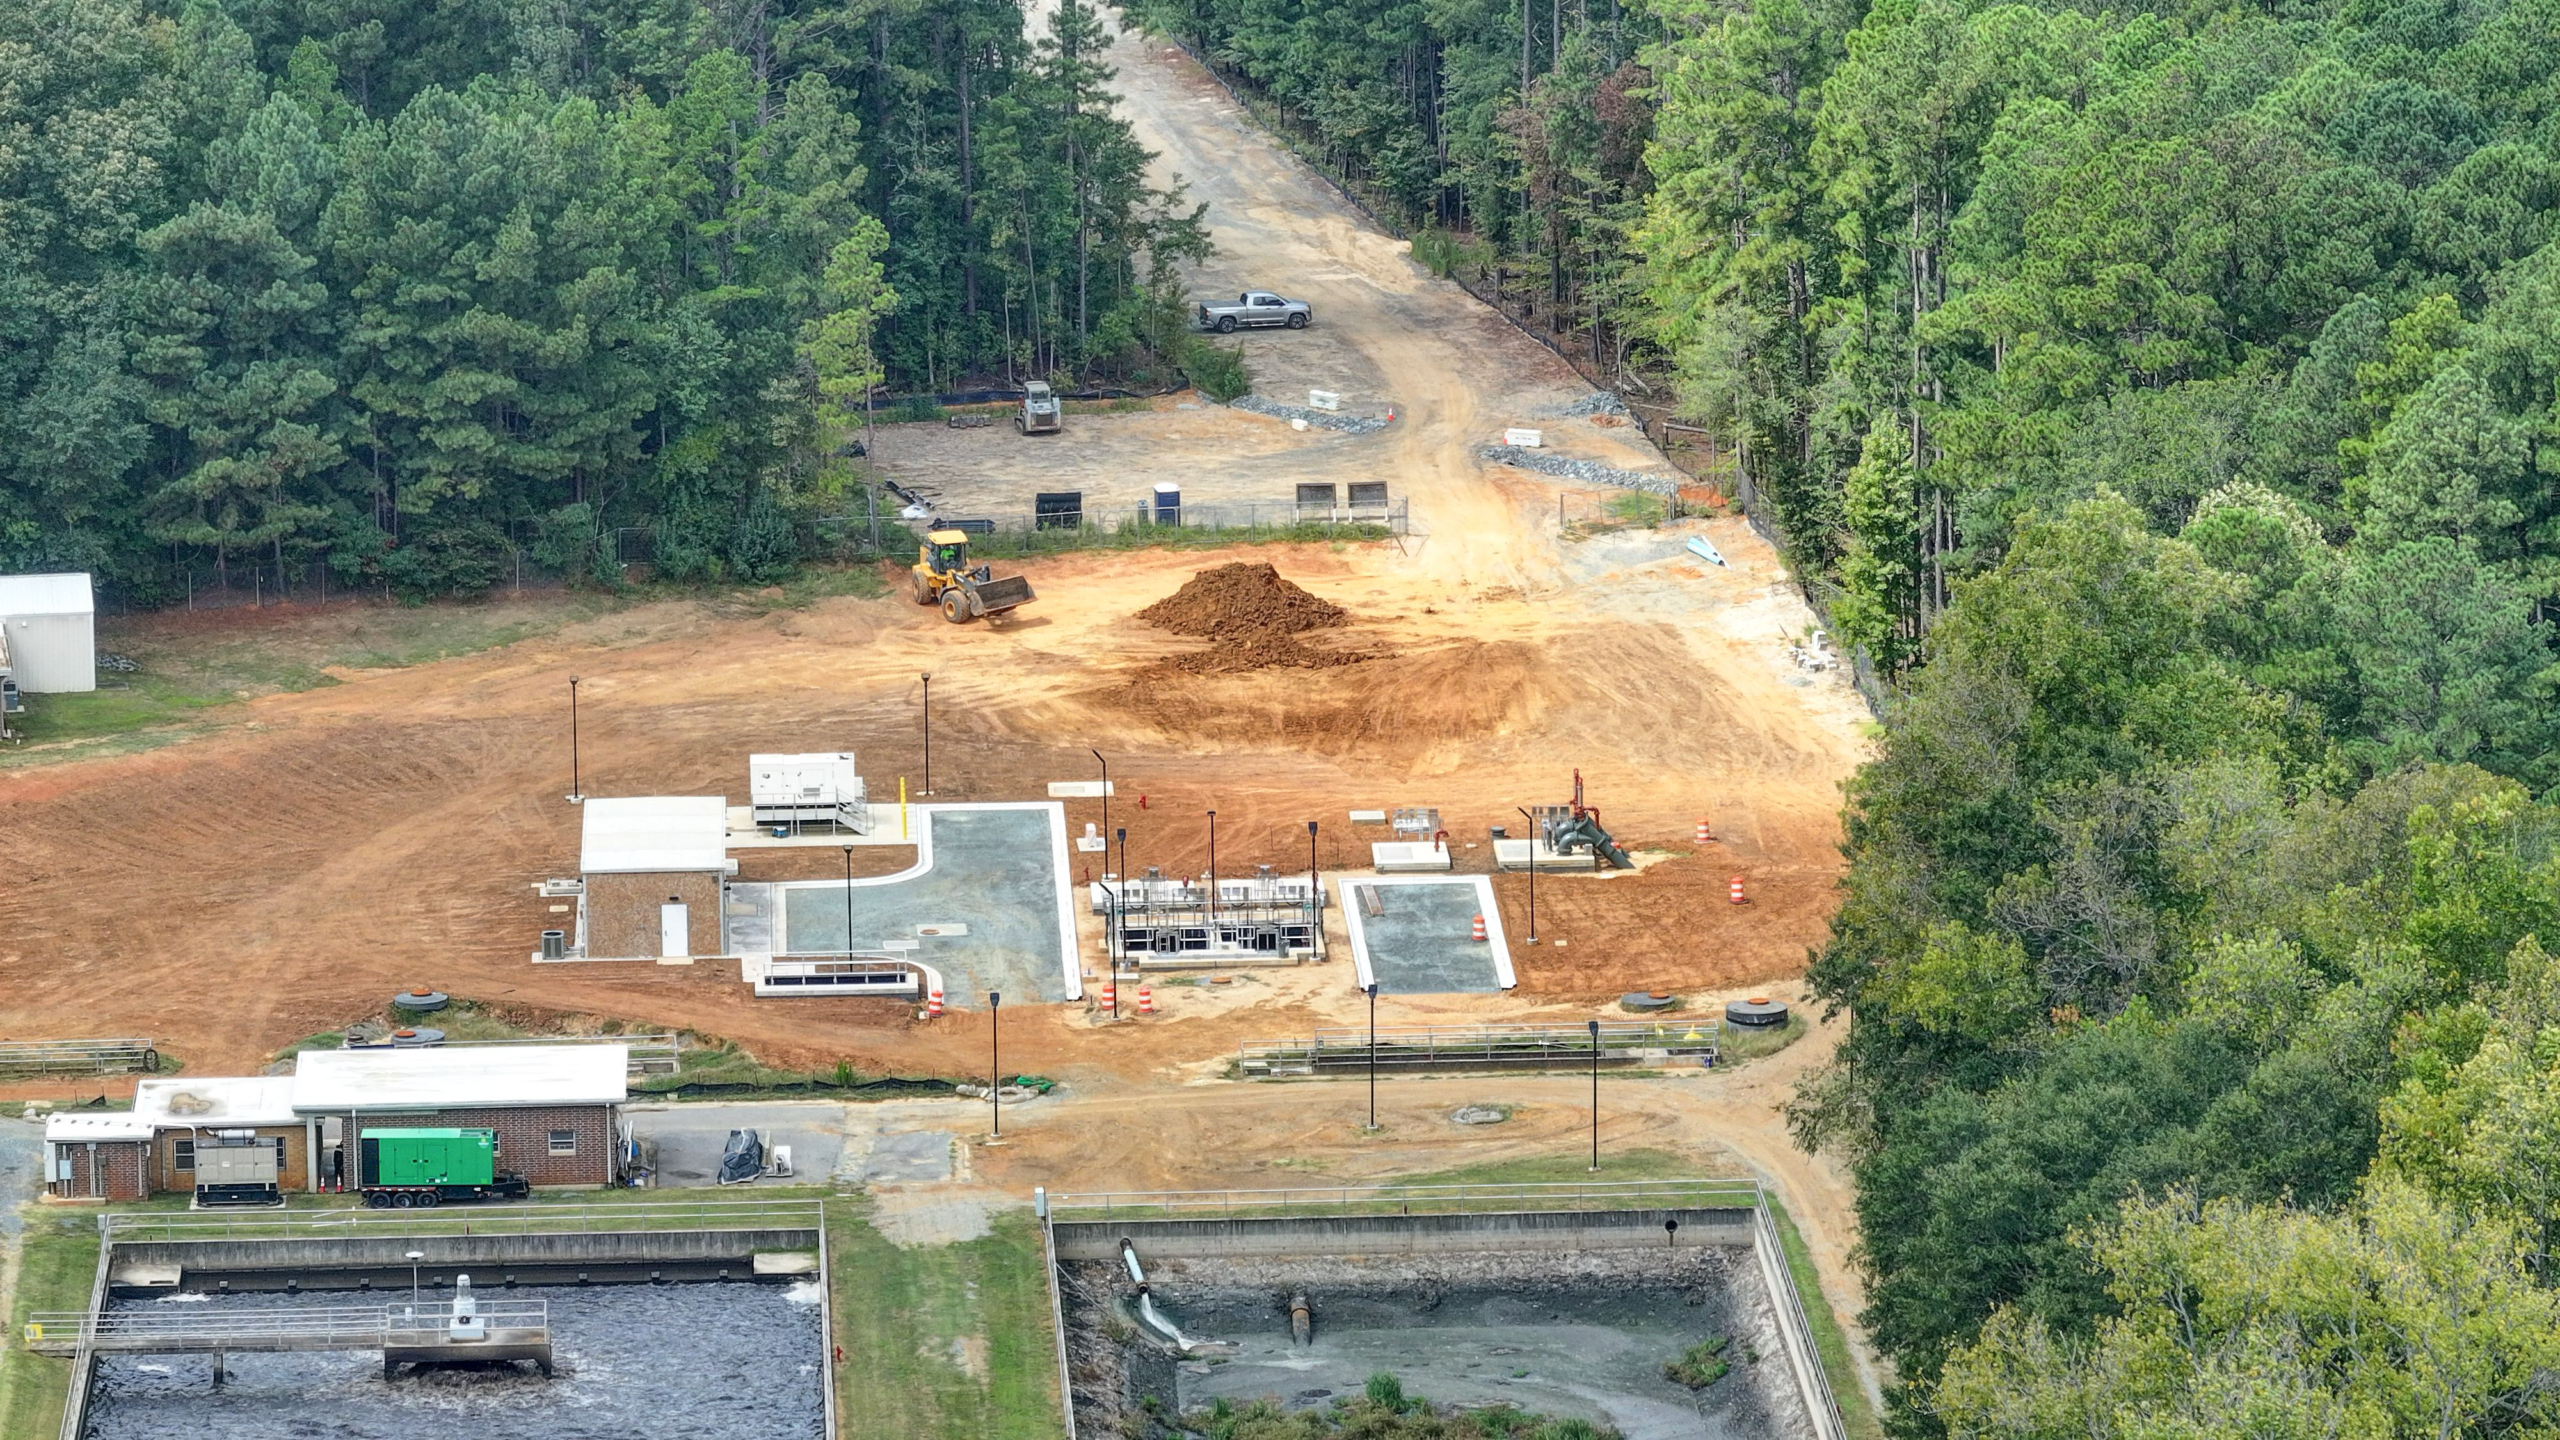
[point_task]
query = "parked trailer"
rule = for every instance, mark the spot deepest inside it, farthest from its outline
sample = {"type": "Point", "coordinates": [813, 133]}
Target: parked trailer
{"type": "Point", "coordinates": [421, 1169]}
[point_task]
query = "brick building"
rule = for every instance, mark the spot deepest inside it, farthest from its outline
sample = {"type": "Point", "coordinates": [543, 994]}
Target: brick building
{"type": "Point", "coordinates": [186, 1114]}
{"type": "Point", "coordinates": [96, 1157]}
{"type": "Point", "coordinates": [555, 1108]}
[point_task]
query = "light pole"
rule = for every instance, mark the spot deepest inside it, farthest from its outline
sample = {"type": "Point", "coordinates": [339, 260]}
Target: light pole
{"type": "Point", "coordinates": [1595, 1097]}
{"type": "Point", "coordinates": [414, 1257]}
{"type": "Point", "coordinates": [995, 1063]}
{"type": "Point", "coordinates": [1212, 878]}
{"type": "Point", "coordinates": [1373, 1054]}
{"type": "Point", "coordinates": [1123, 834]}
{"type": "Point", "coordinates": [928, 732]}
{"type": "Point", "coordinates": [848, 904]}
{"type": "Point", "coordinates": [1106, 795]}
{"type": "Point", "coordinates": [577, 795]}
{"type": "Point", "coordinates": [1533, 875]}
{"type": "Point", "coordinates": [1315, 899]}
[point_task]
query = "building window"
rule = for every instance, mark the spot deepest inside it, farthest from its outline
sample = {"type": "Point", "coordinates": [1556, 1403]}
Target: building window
{"type": "Point", "coordinates": [564, 1142]}
{"type": "Point", "coordinates": [280, 1144]}
{"type": "Point", "coordinates": [182, 1155]}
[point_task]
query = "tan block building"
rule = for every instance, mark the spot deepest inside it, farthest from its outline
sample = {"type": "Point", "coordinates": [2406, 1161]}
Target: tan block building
{"type": "Point", "coordinates": [652, 868]}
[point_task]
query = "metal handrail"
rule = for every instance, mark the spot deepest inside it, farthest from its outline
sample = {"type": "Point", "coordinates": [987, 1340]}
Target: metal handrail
{"type": "Point", "coordinates": [357, 1323]}
{"type": "Point", "coordinates": [129, 1052]}
{"type": "Point", "coordinates": [521, 1219]}
{"type": "Point", "coordinates": [1792, 1315]}
{"type": "Point", "coordinates": [1442, 1039]}
{"type": "Point", "coordinates": [1744, 1193]}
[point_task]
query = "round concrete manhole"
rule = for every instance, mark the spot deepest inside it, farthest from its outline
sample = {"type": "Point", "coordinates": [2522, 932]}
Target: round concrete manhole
{"type": "Point", "coordinates": [1480, 1115]}
{"type": "Point", "coordinates": [1757, 1011]}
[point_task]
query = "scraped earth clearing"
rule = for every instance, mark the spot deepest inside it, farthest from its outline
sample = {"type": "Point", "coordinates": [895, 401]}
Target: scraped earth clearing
{"type": "Point", "coordinates": [231, 895]}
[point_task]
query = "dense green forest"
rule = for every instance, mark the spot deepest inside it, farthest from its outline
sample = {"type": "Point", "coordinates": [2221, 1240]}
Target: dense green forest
{"type": "Point", "coordinates": [2167, 400]}
{"type": "Point", "coordinates": [394, 287]}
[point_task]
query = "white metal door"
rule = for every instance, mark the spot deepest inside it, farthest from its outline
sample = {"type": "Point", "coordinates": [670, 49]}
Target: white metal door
{"type": "Point", "coordinates": [674, 930]}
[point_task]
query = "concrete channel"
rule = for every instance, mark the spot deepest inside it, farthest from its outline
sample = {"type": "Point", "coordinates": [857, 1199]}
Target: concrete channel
{"type": "Point", "coordinates": [1584, 1292]}
{"type": "Point", "coordinates": [255, 1265]}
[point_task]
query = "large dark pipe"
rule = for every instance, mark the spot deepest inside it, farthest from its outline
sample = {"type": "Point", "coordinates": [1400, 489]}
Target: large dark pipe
{"type": "Point", "coordinates": [1302, 1321]}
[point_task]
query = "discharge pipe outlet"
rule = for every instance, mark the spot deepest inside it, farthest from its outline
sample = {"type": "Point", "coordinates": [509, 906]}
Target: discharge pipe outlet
{"type": "Point", "coordinates": [1302, 1321]}
{"type": "Point", "coordinates": [1148, 1315]}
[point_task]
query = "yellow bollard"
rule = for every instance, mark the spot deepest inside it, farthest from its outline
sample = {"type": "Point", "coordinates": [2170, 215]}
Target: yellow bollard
{"type": "Point", "coordinates": [902, 807]}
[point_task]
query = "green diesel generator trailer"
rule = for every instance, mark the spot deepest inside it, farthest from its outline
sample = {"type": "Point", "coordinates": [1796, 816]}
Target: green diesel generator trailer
{"type": "Point", "coordinates": [415, 1169]}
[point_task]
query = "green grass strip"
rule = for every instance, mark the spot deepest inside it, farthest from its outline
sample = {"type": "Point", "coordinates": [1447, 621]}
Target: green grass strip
{"type": "Point", "coordinates": [942, 1342]}
{"type": "Point", "coordinates": [1856, 1411]}
{"type": "Point", "coordinates": [58, 1261]}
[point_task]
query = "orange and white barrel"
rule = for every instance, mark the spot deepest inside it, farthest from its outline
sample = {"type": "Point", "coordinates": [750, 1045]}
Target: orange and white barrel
{"type": "Point", "coordinates": [1737, 891]}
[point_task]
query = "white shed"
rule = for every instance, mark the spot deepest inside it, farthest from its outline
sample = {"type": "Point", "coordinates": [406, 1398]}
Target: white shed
{"type": "Point", "coordinates": [48, 633]}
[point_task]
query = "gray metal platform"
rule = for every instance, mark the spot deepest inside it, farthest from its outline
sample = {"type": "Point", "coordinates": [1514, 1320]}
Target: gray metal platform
{"type": "Point", "coordinates": [406, 1335]}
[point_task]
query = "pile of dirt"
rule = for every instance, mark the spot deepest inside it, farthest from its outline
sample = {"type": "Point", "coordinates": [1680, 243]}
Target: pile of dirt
{"type": "Point", "coordinates": [1255, 616]}
{"type": "Point", "coordinates": [1226, 602]}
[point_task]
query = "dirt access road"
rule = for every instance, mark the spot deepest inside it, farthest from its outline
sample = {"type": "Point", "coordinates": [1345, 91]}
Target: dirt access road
{"type": "Point", "coordinates": [316, 851]}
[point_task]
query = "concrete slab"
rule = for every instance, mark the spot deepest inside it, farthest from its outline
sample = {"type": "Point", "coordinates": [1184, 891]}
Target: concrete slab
{"type": "Point", "coordinates": [691, 1136]}
{"type": "Point", "coordinates": [987, 904]}
{"type": "Point", "coordinates": [1514, 855]}
{"type": "Point", "coordinates": [1392, 857]}
{"type": "Point", "coordinates": [916, 1157]}
{"type": "Point", "coordinates": [1420, 939]}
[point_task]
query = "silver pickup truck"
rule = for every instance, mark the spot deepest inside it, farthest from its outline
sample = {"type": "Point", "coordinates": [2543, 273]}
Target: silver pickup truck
{"type": "Point", "coordinates": [1255, 307]}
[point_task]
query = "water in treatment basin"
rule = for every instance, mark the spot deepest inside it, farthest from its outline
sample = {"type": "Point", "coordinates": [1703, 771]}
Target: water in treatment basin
{"type": "Point", "coordinates": [734, 1361]}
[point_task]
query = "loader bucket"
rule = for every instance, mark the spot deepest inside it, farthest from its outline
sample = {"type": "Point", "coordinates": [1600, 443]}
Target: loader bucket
{"type": "Point", "coordinates": [1004, 594]}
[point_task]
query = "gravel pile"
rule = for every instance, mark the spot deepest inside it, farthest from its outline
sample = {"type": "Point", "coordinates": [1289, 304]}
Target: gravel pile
{"type": "Point", "coordinates": [1320, 419]}
{"type": "Point", "coordinates": [1598, 402]}
{"type": "Point", "coordinates": [1591, 471]}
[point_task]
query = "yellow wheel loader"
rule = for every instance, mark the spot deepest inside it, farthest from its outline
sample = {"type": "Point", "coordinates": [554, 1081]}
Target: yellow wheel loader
{"type": "Point", "coordinates": [943, 576]}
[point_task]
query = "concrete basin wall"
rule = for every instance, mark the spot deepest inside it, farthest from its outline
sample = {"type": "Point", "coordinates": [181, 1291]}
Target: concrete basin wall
{"type": "Point", "coordinates": [632, 1247]}
{"type": "Point", "coordinates": [1089, 1239]}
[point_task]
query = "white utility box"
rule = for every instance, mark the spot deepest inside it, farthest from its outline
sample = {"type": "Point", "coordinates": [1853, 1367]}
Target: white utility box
{"type": "Point", "coordinates": [803, 789]}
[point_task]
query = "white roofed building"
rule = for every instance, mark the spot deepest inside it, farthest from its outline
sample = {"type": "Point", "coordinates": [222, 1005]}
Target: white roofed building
{"type": "Point", "coordinates": [652, 868]}
{"type": "Point", "coordinates": [554, 1107]}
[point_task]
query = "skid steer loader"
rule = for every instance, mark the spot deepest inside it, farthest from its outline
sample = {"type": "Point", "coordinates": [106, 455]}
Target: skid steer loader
{"type": "Point", "coordinates": [943, 576]}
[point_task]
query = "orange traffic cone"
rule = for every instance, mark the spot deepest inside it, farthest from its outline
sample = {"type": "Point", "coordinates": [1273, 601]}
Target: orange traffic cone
{"type": "Point", "coordinates": [1705, 835]}
{"type": "Point", "coordinates": [1146, 1000]}
{"type": "Point", "coordinates": [1479, 929]}
{"type": "Point", "coordinates": [933, 1004]}
{"type": "Point", "coordinates": [1737, 891]}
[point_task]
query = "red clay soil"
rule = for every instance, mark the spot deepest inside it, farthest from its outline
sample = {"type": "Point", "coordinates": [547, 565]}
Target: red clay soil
{"type": "Point", "coordinates": [1225, 602]}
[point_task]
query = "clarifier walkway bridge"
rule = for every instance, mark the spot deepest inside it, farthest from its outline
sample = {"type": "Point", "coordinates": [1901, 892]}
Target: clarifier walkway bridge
{"type": "Point", "coordinates": [495, 1330]}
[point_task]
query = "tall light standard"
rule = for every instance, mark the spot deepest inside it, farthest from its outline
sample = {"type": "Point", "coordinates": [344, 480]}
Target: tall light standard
{"type": "Point", "coordinates": [1123, 834]}
{"type": "Point", "coordinates": [1373, 1054]}
{"type": "Point", "coordinates": [1595, 1097]}
{"type": "Point", "coordinates": [414, 1257]}
{"type": "Point", "coordinates": [577, 794]}
{"type": "Point", "coordinates": [1533, 875]}
{"type": "Point", "coordinates": [995, 1063]}
{"type": "Point", "coordinates": [928, 732]}
{"type": "Point", "coordinates": [1315, 899]}
{"type": "Point", "coordinates": [848, 904]}
{"type": "Point", "coordinates": [1106, 796]}
{"type": "Point", "coordinates": [1212, 879]}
